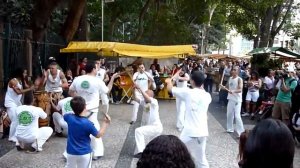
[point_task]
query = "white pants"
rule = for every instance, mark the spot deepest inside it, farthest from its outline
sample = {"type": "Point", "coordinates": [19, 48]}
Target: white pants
{"type": "Point", "coordinates": [79, 161]}
{"type": "Point", "coordinates": [136, 107]}
{"type": "Point", "coordinates": [234, 111]}
{"type": "Point", "coordinates": [37, 143]}
{"type": "Point", "coordinates": [149, 131]}
{"type": "Point", "coordinates": [180, 106]}
{"type": "Point", "coordinates": [59, 123]}
{"type": "Point", "coordinates": [11, 111]}
{"type": "Point", "coordinates": [96, 143]}
{"type": "Point", "coordinates": [252, 96]}
{"type": "Point", "coordinates": [196, 147]}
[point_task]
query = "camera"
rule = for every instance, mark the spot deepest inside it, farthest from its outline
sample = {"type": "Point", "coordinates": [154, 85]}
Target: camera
{"type": "Point", "coordinates": [283, 75]}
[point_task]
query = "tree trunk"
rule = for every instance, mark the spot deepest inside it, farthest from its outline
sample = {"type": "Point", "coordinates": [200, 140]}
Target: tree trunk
{"type": "Point", "coordinates": [113, 22]}
{"type": "Point", "coordinates": [143, 12]}
{"type": "Point", "coordinates": [265, 28]}
{"type": "Point", "coordinates": [72, 22]}
{"type": "Point", "coordinates": [82, 28]}
{"type": "Point", "coordinates": [41, 15]}
{"type": "Point", "coordinates": [278, 12]}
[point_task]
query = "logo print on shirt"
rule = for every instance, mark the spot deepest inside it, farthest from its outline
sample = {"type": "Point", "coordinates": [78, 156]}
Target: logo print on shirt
{"type": "Point", "coordinates": [141, 78]}
{"type": "Point", "coordinates": [67, 106]}
{"type": "Point", "coordinates": [85, 85]}
{"type": "Point", "coordinates": [25, 118]}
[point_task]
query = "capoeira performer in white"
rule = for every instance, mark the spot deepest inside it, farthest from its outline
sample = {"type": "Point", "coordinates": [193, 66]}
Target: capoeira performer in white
{"type": "Point", "coordinates": [195, 128]}
{"type": "Point", "coordinates": [102, 75]}
{"type": "Point", "coordinates": [54, 79]}
{"type": "Point", "coordinates": [235, 88]}
{"type": "Point", "coordinates": [181, 82]}
{"type": "Point", "coordinates": [28, 131]}
{"type": "Point", "coordinates": [63, 107]}
{"type": "Point", "coordinates": [153, 127]}
{"type": "Point", "coordinates": [90, 88]}
{"type": "Point", "coordinates": [142, 79]}
{"type": "Point", "coordinates": [12, 100]}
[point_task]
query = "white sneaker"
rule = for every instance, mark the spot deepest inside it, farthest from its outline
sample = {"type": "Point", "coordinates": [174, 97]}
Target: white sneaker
{"type": "Point", "coordinates": [252, 114]}
{"type": "Point", "coordinates": [245, 114]}
{"type": "Point", "coordinates": [260, 112]}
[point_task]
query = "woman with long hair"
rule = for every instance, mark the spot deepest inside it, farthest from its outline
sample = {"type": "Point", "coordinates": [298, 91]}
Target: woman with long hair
{"type": "Point", "coordinates": [166, 151]}
{"type": "Point", "coordinates": [254, 84]}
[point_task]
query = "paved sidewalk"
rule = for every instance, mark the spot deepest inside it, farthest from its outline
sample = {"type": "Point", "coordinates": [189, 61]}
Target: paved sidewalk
{"type": "Point", "coordinates": [222, 148]}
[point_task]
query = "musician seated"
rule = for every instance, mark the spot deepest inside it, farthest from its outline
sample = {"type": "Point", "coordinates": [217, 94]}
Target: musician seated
{"type": "Point", "coordinates": [117, 90]}
{"type": "Point", "coordinates": [63, 107]}
{"type": "Point", "coordinates": [28, 131]}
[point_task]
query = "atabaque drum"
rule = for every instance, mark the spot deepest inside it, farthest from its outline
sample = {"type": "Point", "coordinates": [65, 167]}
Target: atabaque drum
{"type": "Point", "coordinates": [42, 100]}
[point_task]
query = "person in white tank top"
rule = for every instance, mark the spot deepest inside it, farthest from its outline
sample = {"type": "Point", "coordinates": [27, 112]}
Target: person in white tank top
{"type": "Point", "coordinates": [254, 84]}
{"type": "Point", "coordinates": [54, 79]}
{"type": "Point", "coordinates": [13, 100]}
{"type": "Point", "coordinates": [234, 89]}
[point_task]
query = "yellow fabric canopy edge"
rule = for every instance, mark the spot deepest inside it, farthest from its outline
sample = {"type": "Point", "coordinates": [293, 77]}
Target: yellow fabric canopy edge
{"type": "Point", "coordinates": [126, 49]}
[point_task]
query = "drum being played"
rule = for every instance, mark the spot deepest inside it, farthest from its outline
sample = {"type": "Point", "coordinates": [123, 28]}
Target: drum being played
{"type": "Point", "coordinates": [42, 100]}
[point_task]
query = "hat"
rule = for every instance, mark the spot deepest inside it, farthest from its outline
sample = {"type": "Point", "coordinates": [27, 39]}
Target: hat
{"type": "Point", "coordinates": [290, 69]}
{"type": "Point", "coordinates": [51, 58]}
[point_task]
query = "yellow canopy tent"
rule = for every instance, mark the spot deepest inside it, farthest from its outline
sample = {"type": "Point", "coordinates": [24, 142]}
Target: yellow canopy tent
{"type": "Point", "coordinates": [130, 50]}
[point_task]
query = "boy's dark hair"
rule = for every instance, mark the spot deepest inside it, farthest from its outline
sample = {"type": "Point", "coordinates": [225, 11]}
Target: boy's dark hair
{"type": "Point", "coordinates": [89, 67]}
{"type": "Point", "coordinates": [198, 77]}
{"type": "Point", "coordinates": [28, 98]}
{"type": "Point", "coordinates": [77, 105]}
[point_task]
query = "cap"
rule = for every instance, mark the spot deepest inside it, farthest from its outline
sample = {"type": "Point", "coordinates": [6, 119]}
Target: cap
{"type": "Point", "coordinates": [290, 69]}
{"type": "Point", "coordinates": [51, 58]}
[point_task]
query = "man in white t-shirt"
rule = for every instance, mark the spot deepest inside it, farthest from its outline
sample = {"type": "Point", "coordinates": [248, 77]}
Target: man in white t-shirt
{"type": "Point", "coordinates": [153, 127]}
{"type": "Point", "coordinates": [63, 107]}
{"type": "Point", "coordinates": [90, 88]}
{"type": "Point", "coordinates": [142, 79]}
{"type": "Point", "coordinates": [181, 82]}
{"type": "Point", "coordinates": [28, 131]}
{"type": "Point", "coordinates": [102, 75]}
{"type": "Point", "coordinates": [269, 84]}
{"type": "Point", "coordinates": [195, 128]}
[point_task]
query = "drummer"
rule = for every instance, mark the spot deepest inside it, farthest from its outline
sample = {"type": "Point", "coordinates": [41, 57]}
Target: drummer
{"type": "Point", "coordinates": [54, 79]}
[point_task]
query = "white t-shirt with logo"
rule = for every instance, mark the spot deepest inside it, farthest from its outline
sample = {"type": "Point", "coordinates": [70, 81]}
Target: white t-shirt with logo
{"type": "Point", "coordinates": [197, 102]}
{"type": "Point", "coordinates": [28, 121]}
{"type": "Point", "coordinates": [90, 88]}
{"type": "Point", "coordinates": [64, 105]}
{"type": "Point", "coordinates": [141, 79]}
{"type": "Point", "coordinates": [101, 74]}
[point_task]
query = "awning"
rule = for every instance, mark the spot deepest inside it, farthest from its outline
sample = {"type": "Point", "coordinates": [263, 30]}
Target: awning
{"type": "Point", "coordinates": [131, 50]}
{"type": "Point", "coordinates": [275, 50]}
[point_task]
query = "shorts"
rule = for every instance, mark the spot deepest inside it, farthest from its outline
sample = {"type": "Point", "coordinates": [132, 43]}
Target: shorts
{"type": "Point", "coordinates": [281, 110]}
{"type": "Point", "coordinates": [252, 96]}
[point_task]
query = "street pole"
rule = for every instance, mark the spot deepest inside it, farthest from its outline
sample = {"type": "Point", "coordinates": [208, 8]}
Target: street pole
{"type": "Point", "coordinates": [123, 32]}
{"type": "Point", "coordinates": [102, 17]}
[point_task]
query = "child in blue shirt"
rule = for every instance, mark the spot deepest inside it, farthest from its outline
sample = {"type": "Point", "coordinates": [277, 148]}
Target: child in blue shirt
{"type": "Point", "coordinates": [79, 151]}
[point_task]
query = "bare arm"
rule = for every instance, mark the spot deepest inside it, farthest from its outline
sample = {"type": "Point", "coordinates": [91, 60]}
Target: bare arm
{"type": "Point", "coordinates": [13, 84]}
{"type": "Point", "coordinates": [111, 82]}
{"type": "Point", "coordinates": [103, 128]}
{"type": "Point", "coordinates": [64, 80]}
{"type": "Point", "coordinates": [72, 93]}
